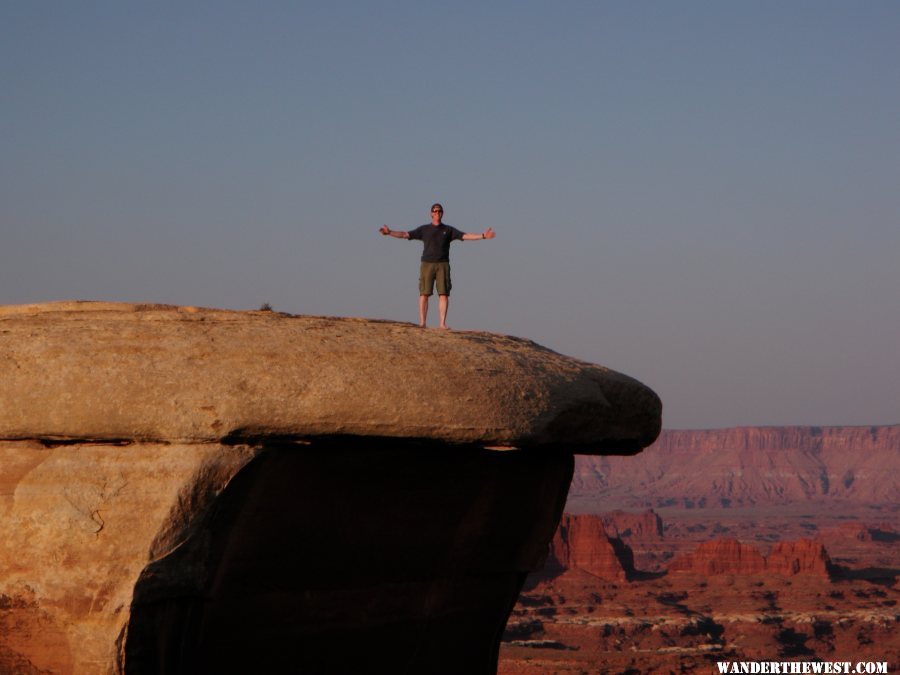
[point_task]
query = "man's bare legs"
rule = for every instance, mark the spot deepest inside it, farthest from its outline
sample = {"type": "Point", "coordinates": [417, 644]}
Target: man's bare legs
{"type": "Point", "coordinates": [423, 310]}
{"type": "Point", "coordinates": [443, 306]}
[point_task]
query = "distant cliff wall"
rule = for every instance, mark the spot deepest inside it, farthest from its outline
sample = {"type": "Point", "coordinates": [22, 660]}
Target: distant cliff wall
{"type": "Point", "coordinates": [729, 556]}
{"type": "Point", "coordinates": [746, 467]}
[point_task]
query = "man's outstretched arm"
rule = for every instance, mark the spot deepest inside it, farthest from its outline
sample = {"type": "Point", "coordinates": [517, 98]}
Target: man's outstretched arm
{"type": "Point", "coordinates": [487, 234]}
{"type": "Point", "coordinates": [399, 234]}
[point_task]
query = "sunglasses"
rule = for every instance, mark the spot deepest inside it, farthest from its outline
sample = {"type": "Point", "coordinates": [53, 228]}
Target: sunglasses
{"type": "Point", "coordinates": [437, 210]}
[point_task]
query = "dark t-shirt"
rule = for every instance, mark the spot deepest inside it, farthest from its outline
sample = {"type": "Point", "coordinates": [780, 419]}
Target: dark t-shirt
{"type": "Point", "coordinates": [437, 240]}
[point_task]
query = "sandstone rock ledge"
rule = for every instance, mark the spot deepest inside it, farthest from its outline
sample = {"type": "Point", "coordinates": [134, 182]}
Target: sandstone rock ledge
{"type": "Point", "coordinates": [187, 490]}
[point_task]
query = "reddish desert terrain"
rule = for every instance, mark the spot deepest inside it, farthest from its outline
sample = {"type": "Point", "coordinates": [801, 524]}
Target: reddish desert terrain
{"type": "Point", "coordinates": [740, 544]}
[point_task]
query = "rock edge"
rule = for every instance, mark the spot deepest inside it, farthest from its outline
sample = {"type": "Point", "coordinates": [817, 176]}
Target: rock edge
{"type": "Point", "coordinates": [75, 371]}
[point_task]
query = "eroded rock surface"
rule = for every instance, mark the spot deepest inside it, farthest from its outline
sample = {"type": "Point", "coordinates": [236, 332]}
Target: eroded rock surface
{"type": "Point", "coordinates": [101, 371]}
{"type": "Point", "coordinates": [644, 526]}
{"type": "Point", "coordinates": [581, 543]}
{"type": "Point", "coordinates": [186, 490]}
{"type": "Point", "coordinates": [721, 556]}
{"type": "Point", "coordinates": [747, 467]}
{"type": "Point", "coordinates": [789, 558]}
{"type": "Point", "coordinates": [729, 556]}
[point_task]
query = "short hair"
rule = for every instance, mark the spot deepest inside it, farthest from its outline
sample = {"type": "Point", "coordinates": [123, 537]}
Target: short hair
{"type": "Point", "coordinates": [437, 205]}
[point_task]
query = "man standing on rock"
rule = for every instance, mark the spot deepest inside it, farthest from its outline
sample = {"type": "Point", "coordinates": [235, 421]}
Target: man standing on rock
{"type": "Point", "coordinates": [435, 259]}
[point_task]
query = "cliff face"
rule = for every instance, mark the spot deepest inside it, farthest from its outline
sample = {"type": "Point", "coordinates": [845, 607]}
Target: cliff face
{"type": "Point", "coordinates": [815, 440]}
{"type": "Point", "coordinates": [644, 526]}
{"type": "Point", "coordinates": [806, 557]}
{"type": "Point", "coordinates": [722, 556]}
{"type": "Point", "coordinates": [749, 466]}
{"type": "Point", "coordinates": [581, 543]}
{"type": "Point", "coordinates": [188, 490]}
{"type": "Point", "coordinates": [728, 556]}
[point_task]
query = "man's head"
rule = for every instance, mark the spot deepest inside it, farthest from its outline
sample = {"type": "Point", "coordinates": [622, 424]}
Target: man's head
{"type": "Point", "coordinates": [437, 212]}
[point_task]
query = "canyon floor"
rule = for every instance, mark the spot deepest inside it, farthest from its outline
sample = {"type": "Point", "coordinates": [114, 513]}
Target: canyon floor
{"type": "Point", "coordinates": [660, 621]}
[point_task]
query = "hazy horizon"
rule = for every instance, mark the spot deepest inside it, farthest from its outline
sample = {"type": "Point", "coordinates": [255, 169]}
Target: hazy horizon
{"type": "Point", "coordinates": [700, 195]}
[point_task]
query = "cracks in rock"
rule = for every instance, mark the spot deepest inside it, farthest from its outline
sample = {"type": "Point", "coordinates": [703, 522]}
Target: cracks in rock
{"type": "Point", "coordinates": [62, 442]}
{"type": "Point", "coordinates": [611, 446]}
{"type": "Point", "coordinates": [97, 518]}
{"type": "Point", "coordinates": [88, 500]}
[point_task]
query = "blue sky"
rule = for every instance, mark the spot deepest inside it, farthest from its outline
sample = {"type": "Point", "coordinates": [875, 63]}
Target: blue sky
{"type": "Point", "coordinates": [700, 194]}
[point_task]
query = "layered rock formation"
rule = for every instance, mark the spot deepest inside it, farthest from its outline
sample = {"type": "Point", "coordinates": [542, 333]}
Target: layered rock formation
{"type": "Point", "coordinates": [110, 372]}
{"type": "Point", "coordinates": [187, 490]}
{"type": "Point", "coordinates": [643, 526]}
{"type": "Point", "coordinates": [729, 556]}
{"type": "Point", "coordinates": [743, 467]}
{"type": "Point", "coordinates": [721, 556]}
{"type": "Point", "coordinates": [806, 557]}
{"type": "Point", "coordinates": [581, 543]}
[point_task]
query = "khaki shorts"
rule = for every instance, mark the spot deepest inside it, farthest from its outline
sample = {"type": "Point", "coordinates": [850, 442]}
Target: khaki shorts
{"type": "Point", "coordinates": [431, 272]}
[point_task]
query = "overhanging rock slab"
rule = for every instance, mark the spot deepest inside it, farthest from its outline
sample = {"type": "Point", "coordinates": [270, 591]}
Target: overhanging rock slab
{"type": "Point", "coordinates": [198, 490]}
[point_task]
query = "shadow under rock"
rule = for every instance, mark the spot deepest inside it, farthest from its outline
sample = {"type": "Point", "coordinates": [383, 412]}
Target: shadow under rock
{"type": "Point", "coordinates": [341, 557]}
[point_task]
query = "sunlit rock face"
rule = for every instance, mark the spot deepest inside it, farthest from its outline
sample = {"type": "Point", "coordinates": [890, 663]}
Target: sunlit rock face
{"type": "Point", "coordinates": [192, 491]}
{"type": "Point", "coordinates": [806, 557]}
{"type": "Point", "coordinates": [581, 543]}
{"type": "Point", "coordinates": [721, 556]}
{"type": "Point", "coordinates": [729, 556]}
{"type": "Point", "coordinates": [101, 372]}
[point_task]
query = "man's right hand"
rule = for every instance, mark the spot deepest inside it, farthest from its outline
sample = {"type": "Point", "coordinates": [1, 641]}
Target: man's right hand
{"type": "Point", "coordinates": [385, 229]}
